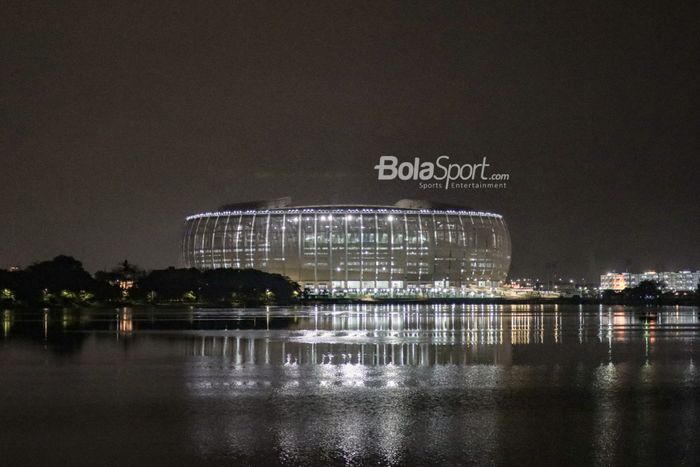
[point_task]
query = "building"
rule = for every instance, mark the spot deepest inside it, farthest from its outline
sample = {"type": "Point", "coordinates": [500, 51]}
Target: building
{"type": "Point", "coordinates": [680, 281]}
{"type": "Point", "coordinates": [412, 246]}
{"type": "Point", "coordinates": [616, 281]}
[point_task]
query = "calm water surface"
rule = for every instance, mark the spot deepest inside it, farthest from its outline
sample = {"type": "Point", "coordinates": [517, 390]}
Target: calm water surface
{"type": "Point", "coordinates": [397, 385]}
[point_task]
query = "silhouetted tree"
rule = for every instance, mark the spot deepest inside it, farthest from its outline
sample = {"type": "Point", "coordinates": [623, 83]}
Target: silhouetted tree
{"type": "Point", "coordinates": [8, 286]}
{"type": "Point", "coordinates": [61, 280]}
{"type": "Point", "coordinates": [247, 287]}
{"type": "Point", "coordinates": [168, 284]}
{"type": "Point", "coordinates": [610, 296]}
{"type": "Point", "coordinates": [647, 290]}
{"type": "Point", "coordinates": [117, 283]}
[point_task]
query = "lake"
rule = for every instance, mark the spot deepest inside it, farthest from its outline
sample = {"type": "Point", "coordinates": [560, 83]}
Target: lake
{"type": "Point", "coordinates": [351, 385]}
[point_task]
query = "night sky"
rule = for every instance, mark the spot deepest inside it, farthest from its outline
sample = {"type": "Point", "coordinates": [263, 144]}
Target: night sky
{"type": "Point", "coordinates": [121, 118]}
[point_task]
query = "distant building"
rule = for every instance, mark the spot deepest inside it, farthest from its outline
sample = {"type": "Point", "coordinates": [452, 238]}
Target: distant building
{"type": "Point", "coordinates": [414, 245]}
{"type": "Point", "coordinates": [615, 281]}
{"type": "Point", "coordinates": [679, 281]}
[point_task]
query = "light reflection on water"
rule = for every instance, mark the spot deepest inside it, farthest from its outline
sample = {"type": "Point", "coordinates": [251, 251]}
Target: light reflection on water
{"type": "Point", "coordinates": [482, 384]}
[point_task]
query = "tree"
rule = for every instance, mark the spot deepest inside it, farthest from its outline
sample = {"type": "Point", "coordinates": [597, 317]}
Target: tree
{"type": "Point", "coordinates": [7, 295]}
{"type": "Point", "coordinates": [117, 283]}
{"type": "Point", "coordinates": [609, 295]}
{"type": "Point", "coordinates": [61, 279]}
{"type": "Point", "coordinates": [247, 287]}
{"type": "Point", "coordinates": [169, 284]}
{"type": "Point", "coordinates": [647, 290]}
{"type": "Point", "coordinates": [8, 285]}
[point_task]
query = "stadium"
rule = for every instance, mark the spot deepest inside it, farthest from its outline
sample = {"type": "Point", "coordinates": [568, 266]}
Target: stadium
{"type": "Point", "coordinates": [414, 246]}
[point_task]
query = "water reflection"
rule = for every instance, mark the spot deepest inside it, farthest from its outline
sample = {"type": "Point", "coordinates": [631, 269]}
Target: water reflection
{"type": "Point", "coordinates": [6, 322]}
{"type": "Point", "coordinates": [125, 320]}
{"type": "Point", "coordinates": [482, 384]}
{"type": "Point", "coordinates": [372, 335]}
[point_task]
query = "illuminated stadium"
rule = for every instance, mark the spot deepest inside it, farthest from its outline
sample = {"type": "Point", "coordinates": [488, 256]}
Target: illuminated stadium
{"type": "Point", "coordinates": [413, 246]}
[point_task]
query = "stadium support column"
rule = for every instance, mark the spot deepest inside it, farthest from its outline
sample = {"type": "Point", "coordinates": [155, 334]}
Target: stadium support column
{"type": "Point", "coordinates": [315, 250]}
{"type": "Point", "coordinates": [346, 251]}
{"type": "Point", "coordinates": [213, 238]}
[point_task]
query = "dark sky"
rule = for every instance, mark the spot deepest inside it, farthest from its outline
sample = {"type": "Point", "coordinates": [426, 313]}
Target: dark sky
{"type": "Point", "coordinates": [121, 118]}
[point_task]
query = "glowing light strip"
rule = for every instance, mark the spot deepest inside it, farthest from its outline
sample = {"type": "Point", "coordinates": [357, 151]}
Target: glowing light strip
{"type": "Point", "coordinates": [253, 212]}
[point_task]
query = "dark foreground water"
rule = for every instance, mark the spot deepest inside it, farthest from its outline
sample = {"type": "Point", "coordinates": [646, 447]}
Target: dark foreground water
{"type": "Point", "coordinates": [417, 385]}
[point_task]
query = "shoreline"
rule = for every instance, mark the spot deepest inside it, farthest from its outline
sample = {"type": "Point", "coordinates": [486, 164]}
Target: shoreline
{"type": "Point", "coordinates": [359, 301]}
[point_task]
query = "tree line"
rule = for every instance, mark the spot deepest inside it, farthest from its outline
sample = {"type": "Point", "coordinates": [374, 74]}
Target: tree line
{"type": "Point", "coordinates": [63, 281]}
{"type": "Point", "coordinates": [649, 291]}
